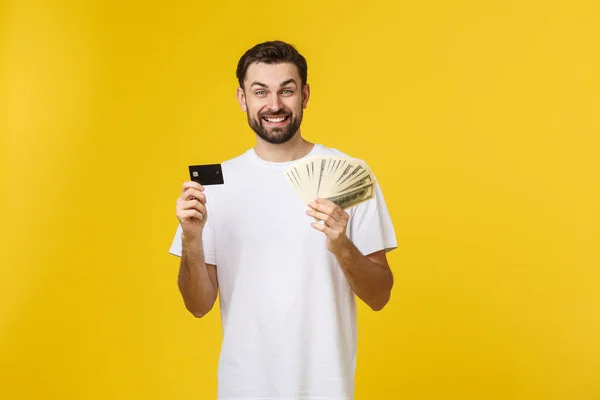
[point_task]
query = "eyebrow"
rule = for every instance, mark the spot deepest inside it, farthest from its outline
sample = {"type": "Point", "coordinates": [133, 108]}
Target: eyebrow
{"type": "Point", "coordinates": [284, 83]}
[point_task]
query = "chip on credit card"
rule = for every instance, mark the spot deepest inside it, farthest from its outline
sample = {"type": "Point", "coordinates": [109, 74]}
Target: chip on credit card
{"type": "Point", "coordinates": [207, 174]}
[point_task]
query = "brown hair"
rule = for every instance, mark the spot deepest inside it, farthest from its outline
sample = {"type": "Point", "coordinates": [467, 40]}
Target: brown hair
{"type": "Point", "coordinates": [272, 52]}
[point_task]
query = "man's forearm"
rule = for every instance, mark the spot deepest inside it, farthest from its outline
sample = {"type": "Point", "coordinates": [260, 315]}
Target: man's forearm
{"type": "Point", "coordinates": [195, 285]}
{"type": "Point", "coordinates": [370, 281]}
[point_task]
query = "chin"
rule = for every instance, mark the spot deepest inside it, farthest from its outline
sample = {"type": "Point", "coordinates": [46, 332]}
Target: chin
{"type": "Point", "coordinates": [277, 139]}
{"type": "Point", "coordinates": [278, 135]}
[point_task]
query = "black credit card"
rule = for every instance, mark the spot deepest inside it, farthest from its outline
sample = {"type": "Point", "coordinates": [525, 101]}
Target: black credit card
{"type": "Point", "coordinates": [208, 174]}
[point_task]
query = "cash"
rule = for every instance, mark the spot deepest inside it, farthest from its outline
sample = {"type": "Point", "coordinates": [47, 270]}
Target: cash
{"type": "Point", "coordinates": [344, 181]}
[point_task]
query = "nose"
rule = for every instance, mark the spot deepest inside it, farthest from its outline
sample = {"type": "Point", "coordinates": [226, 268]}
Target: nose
{"type": "Point", "coordinates": [275, 103]}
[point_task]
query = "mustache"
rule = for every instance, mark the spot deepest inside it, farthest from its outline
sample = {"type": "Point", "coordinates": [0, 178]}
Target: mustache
{"type": "Point", "coordinates": [281, 113]}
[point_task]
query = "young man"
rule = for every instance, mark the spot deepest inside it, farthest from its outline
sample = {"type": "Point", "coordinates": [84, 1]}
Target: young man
{"type": "Point", "coordinates": [286, 283]}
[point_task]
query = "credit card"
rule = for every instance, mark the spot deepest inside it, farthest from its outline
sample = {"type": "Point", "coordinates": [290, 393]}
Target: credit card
{"type": "Point", "coordinates": [207, 174]}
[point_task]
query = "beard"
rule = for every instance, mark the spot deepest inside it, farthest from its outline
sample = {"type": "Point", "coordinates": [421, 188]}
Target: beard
{"type": "Point", "coordinates": [276, 135]}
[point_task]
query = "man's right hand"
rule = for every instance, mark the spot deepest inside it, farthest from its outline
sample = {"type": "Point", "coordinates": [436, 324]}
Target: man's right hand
{"type": "Point", "coordinates": [191, 209]}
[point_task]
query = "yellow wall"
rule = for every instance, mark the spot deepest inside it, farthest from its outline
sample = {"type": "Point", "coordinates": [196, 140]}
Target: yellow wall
{"type": "Point", "coordinates": [479, 118]}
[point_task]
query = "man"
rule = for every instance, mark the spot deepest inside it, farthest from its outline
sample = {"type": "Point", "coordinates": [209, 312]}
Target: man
{"type": "Point", "coordinates": [286, 283]}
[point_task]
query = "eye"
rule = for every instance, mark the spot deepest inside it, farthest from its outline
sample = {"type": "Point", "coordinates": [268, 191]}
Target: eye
{"type": "Point", "coordinates": [287, 91]}
{"type": "Point", "coordinates": [260, 92]}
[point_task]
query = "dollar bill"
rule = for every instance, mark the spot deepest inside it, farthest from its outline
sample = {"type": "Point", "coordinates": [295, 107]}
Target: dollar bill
{"type": "Point", "coordinates": [361, 180]}
{"type": "Point", "coordinates": [354, 197]}
{"type": "Point", "coordinates": [345, 181]}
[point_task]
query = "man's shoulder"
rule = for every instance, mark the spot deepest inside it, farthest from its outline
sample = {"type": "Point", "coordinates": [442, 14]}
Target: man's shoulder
{"type": "Point", "coordinates": [334, 151]}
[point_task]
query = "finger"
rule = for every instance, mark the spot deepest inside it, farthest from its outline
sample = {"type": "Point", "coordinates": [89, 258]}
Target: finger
{"type": "Point", "coordinates": [325, 202]}
{"type": "Point", "coordinates": [191, 214]}
{"type": "Point", "coordinates": [329, 232]}
{"type": "Point", "coordinates": [331, 209]}
{"type": "Point", "coordinates": [193, 205]}
{"type": "Point", "coordinates": [325, 206]}
{"type": "Point", "coordinates": [331, 205]}
{"type": "Point", "coordinates": [338, 212]}
{"type": "Point", "coordinates": [191, 185]}
{"type": "Point", "coordinates": [194, 194]}
{"type": "Point", "coordinates": [326, 218]}
{"type": "Point", "coordinates": [319, 227]}
{"type": "Point", "coordinates": [326, 209]}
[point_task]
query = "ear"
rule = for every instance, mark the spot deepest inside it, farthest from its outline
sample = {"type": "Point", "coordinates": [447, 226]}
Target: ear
{"type": "Point", "coordinates": [241, 97]}
{"type": "Point", "coordinates": [305, 95]}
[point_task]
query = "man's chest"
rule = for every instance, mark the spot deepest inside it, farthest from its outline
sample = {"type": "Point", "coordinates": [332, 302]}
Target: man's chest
{"type": "Point", "coordinates": [261, 212]}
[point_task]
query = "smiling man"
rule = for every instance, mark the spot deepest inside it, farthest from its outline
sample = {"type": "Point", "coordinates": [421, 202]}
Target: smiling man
{"type": "Point", "coordinates": [287, 286]}
{"type": "Point", "coordinates": [275, 123]}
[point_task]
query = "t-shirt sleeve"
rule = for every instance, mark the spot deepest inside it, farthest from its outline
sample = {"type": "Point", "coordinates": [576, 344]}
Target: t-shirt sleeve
{"type": "Point", "coordinates": [210, 254]}
{"type": "Point", "coordinates": [370, 226]}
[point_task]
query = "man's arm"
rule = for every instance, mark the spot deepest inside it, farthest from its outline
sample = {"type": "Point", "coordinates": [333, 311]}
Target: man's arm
{"type": "Point", "coordinates": [369, 276]}
{"type": "Point", "coordinates": [197, 280]}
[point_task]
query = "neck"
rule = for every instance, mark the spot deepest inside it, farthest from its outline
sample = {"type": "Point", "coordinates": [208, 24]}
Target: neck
{"type": "Point", "coordinates": [293, 149]}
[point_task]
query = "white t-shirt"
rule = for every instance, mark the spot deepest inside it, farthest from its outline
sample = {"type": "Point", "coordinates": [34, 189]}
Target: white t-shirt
{"type": "Point", "coordinates": [287, 311]}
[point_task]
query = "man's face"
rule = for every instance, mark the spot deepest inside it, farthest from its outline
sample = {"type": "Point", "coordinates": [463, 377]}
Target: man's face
{"type": "Point", "coordinates": [273, 99]}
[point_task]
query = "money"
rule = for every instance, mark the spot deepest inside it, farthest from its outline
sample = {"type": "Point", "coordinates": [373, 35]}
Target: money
{"type": "Point", "coordinates": [344, 181]}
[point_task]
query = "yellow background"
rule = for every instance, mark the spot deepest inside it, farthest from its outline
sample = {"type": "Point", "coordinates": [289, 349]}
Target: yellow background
{"type": "Point", "coordinates": [479, 118]}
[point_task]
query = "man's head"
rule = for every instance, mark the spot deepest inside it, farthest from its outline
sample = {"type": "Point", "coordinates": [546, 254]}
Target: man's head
{"type": "Point", "coordinates": [273, 90]}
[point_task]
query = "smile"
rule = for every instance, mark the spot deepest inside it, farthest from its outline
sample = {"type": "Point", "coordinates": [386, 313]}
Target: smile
{"type": "Point", "coordinates": [275, 120]}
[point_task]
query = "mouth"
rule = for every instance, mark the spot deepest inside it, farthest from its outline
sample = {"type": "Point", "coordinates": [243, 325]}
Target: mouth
{"type": "Point", "coordinates": [276, 121]}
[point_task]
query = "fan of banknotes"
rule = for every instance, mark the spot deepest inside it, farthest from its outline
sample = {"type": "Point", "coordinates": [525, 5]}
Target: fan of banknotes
{"type": "Point", "coordinates": [344, 181]}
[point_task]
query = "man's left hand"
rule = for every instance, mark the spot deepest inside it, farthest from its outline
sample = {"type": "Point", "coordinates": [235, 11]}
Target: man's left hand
{"type": "Point", "coordinates": [335, 220]}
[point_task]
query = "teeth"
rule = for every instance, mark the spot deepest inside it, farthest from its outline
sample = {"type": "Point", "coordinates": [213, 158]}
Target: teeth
{"type": "Point", "coordinates": [275, 119]}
